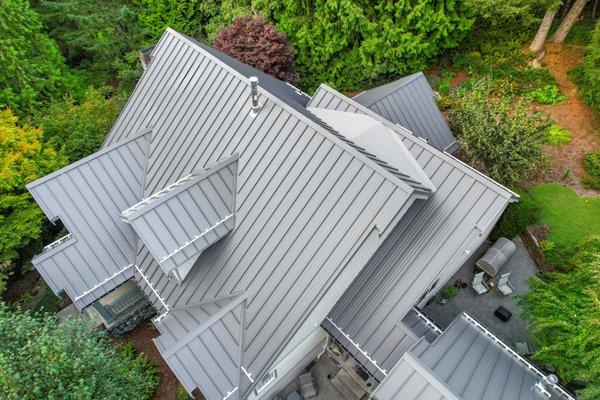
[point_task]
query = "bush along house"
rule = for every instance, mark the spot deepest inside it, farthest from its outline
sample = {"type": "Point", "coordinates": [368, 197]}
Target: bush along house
{"type": "Point", "coordinates": [260, 227]}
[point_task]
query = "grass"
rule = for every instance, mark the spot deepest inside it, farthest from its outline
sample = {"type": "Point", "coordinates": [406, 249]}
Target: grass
{"type": "Point", "coordinates": [570, 218]}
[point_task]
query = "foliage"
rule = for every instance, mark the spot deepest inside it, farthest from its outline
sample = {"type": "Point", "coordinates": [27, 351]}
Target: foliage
{"type": "Point", "coordinates": [569, 217]}
{"type": "Point", "coordinates": [498, 136]}
{"type": "Point", "coordinates": [548, 94]}
{"type": "Point", "coordinates": [256, 42]}
{"type": "Point", "coordinates": [351, 43]}
{"type": "Point", "coordinates": [79, 128]}
{"type": "Point", "coordinates": [33, 70]}
{"type": "Point", "coordinates": [564, 310]}
{"type": "Point", "coordinates": [517, 217]}
{"type": "Point", "coordinates": [198, 18]}
{"type": "Point", "coordinates": [182, 394]}
{"type": "Point", "coordinates": [497, 57]}
{"type": "Point", "coordinates": [591, 162]}
{"type": "Point", "coordinates": [23, 158]}
{"type": "Point", "coordinates": [449, 292]}
{"type": "Point", "coordinates": [96, 36]}
{"type": "Point", "coordinates": [587, 75]}
{"type": "Point", "coordinates": [42, 359]}
{"type": "Point", "coordinates": [509, 15]}
{"type": "Point", "coordinates": [558, 136]}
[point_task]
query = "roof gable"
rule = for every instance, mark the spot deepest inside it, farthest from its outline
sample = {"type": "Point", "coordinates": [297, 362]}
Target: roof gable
{"type": "Point", "coordinates": [179, 222]}
{"type": "Point", "coordinates": [410, 102]}
{"type": "Point", "coordinates": [87, 197]}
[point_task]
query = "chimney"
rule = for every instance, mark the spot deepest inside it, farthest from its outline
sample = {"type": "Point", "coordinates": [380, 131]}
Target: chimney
{"type": "Point", "coordinates": [145, 56]}
{"type": "Point", "coordinates": [256, 106]}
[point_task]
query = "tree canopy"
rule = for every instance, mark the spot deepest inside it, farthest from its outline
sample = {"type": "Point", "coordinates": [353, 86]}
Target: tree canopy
{"type": "Point", "coordinates": [42, 359]}
{"type": "Point", "coordinates": [23, 158]}
{"type": "Point", "coordinates": [33, 69]}
{"type": "Point", "coordinates": [564, 309]}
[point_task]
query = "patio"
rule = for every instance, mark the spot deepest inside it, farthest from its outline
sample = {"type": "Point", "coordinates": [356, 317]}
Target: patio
{"type": "Point", "coordinates": [482, 307]}
{"type": "Point", "coordinates": [326, 374]}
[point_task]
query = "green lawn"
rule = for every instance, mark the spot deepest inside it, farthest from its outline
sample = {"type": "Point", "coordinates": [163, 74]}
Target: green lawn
{"type": "Point", "coordinates": [569, 217]}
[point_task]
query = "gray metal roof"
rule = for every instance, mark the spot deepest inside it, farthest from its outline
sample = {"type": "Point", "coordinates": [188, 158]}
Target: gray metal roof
{"type": "Point", "coordinates": [311, 206]}
{"type": "Point", "coordinates": [410, 102]}
{"type": "Point", "coordinates": [88, 196]}
{"type": "Point", "coordinates": [404, 336]}
{"type": "Point", "coordinates": [202, 343]}
{"type": "Point", "coordinates": [474, 365]}
{"type": "Point", "coordinates": [457, 217]}
{"type": "Point", "coordinates": [411, 380]}
{"type": "Point", "coordinates": [180, 221]}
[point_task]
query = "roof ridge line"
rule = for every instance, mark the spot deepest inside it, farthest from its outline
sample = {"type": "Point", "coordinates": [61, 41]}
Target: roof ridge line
{"type": "Point", "coordinates": [401, 82]}
{"type": "Point", "coordinates": [320, 129]}
{"type": "Point", "coordinates": [470, 170]}
{"type": "Point", "coordinates": [205, 325]}
{"type": "Point", "coordinates": [176, 187]}
{"type": "Point", "coordinates": [100, 152]}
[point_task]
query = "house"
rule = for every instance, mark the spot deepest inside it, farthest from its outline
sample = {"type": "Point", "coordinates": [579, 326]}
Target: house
{"type": "Point", "coordinates": [260, 225]}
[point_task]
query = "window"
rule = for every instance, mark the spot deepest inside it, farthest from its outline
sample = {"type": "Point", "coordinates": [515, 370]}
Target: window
{"type": "Point", "coordinates": [265, 381]}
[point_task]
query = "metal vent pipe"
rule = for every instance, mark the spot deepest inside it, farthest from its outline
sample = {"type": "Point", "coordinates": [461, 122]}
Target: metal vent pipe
{"type": "Point", "coordinates": [254, 96]}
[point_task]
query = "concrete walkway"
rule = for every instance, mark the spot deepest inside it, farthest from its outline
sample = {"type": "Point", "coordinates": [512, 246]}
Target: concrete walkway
{"type": "Point", "coordinates": [482, 307]}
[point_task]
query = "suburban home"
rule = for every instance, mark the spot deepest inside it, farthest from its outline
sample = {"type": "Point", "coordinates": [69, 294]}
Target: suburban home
{"type": "Point", "coordinates": [264, 228]}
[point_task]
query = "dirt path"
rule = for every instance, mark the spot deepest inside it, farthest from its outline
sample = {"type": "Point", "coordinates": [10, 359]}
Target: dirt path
{"type": "Point", "coordinates": [575, 116]}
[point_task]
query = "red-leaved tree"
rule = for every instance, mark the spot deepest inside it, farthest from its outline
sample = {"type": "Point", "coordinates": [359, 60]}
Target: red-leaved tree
{"type": "Point", "coordinates": [257, 43]}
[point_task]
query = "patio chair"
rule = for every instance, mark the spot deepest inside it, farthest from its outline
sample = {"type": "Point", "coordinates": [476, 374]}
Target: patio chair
{"type": "Point", "coordinates": [504, 286]}
{"type": "Point", "coordinates": [307, 386]}
{"type": "Point", "coordinates": [478, 284]}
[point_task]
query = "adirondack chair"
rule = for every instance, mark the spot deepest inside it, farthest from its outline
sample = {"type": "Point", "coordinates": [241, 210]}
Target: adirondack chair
{"type": "Point", "coordinates": [478, 284]}
{"type": "Point", "coordinates": [504, 286]}
{"type": "Point", "coordinates": [307, 386]}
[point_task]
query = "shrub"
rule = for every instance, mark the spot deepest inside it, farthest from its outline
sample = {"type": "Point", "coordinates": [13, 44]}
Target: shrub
{"type": "Point", "coordinates": [558, 136]}
{"type": "Point", "coordinates": [548, 94]}
{"type": "Point", "coordinates": [449, 292]}
{"type": "Point", "coordinates": [517, 217]}
{"type": "Point", "coordinates": [587, 75]}
{"type": "Point", "coordinates": [508, 15]}
{"type": "Point", "coordinates": [498, 136]}
{"type": "Point", "coordinates": [33, 70]}
{"type": "Point", "coordinates": [591, 161]}
{"type": "Point", "coordinates": [42, 359]}
{"type": "Point", "coordinates": [80, 128]}
{"type": "Point", "coordinates": [23, 158]}
{"type": "Point", "coordinates": [257, 43]}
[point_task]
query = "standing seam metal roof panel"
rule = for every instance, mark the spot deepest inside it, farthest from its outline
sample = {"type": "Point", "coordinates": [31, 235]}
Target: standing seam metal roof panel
{"type": "Point", "coordinates": [178, 223]}
{"type": "Point", "coordinates": [310, 205]}
{"type": "Point", "coordinates": [464, 207]}
{"type": "Point", "coordinates": [87, 197]}
{"type": "Point", "coordinates": [410, 102]}
{"type": "Point", "coordinates": [476, 366]}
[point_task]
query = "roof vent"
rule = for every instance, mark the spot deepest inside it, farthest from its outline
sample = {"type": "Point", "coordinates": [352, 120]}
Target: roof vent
{"type": "Point", "coordinates": [256, 106]}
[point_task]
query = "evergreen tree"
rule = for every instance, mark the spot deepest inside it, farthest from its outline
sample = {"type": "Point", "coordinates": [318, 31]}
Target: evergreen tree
{"type": "Point", "coordinates": [33, 69]}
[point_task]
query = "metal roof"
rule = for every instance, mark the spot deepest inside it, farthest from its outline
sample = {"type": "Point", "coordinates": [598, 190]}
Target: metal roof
{"type": "Point", "coordinates": [311, 205]}
{"type": "Point", "coordinates": [411, 380]}
{"type": "Point", "coordinates": [464, 207]}
{"type": "Point", "coordinates": [202, 343]}
{"type": "Point", "coordinates": [88, 196]}
{"type": "Point", "coordinates": [180, 221]}
{"type": "Point", "coordinates": [410, 102]}
{"type": "Point", "coordinates": [471, 364]}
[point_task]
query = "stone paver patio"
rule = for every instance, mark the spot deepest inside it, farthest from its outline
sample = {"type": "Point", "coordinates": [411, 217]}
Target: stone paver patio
{"type": "Point", "coordinates": [482, 307]}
